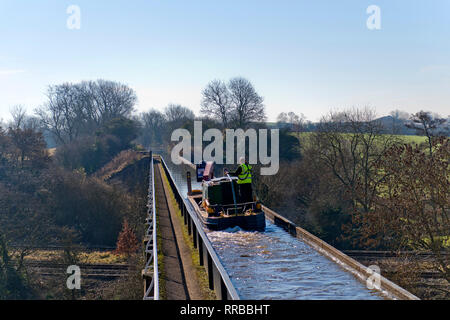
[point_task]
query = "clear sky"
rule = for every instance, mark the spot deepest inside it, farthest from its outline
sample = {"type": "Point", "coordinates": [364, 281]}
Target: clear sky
{"type": "Point", "coordinates": [302, 56]}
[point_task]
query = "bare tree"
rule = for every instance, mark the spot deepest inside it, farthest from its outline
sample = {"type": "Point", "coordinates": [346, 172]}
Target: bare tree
{"type": "Point", "coordinates": [237, 102]}
{"type": "Point", "coordinates": [108, 100]}
{"type": "Point", "coordinates": [350, 143]}
{"type": "Point", "coordinates": [19, 115]}
{"type": "Point", "coordinates": [247, 105]}
{"type": "Point", "coordinates": [216, 101]}
{"type": "Point", "coordinates": [63, 114]}
{"type": "Point", "coordinates": [297, 122]}
{"type": "Point", "coordinates": [282, 118]}
{"type": "Point", "coordinates": [294, 122]}
{"type": "Point", "coordinates": [413, 211]}
{"type": "Point", "coordinates": [176, 112]}
{"type": "Point", "coordinates": [21, 120]}
{"type": "Point", "coordinates": [293, 118]}
{"type": "Point", "coordinates": [153, 127]}
{"type": "Point", "coordinates": [76, 109]}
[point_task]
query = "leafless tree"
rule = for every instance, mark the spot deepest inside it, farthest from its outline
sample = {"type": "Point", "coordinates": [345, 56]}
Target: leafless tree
{"type": "Point", "coordinates": [247, 105]}
{"type": "Point", "coordinates": [236, 103]}
{"type": "Point", "coordinates": [153, 127]}
{"type": "Point", "coordinates": [282, 118]}
{"type": "Point", "coordinates": [412, 211]}
{"type": "Point", "coordinates": [216, 101]}
{"type": "Point", "coordinates": [21, 120]}
{"type": "Point", "coordinates": [63, 114]}
{"type": "Point", "coordinates": [108, 100]}
{"type": "Point", "coordinates": [296, 123]}
{"type": "Point", "coordinates": [76, 109]}
{"type": "Point", "coordinates": [350, 143]}
{"type": "Point", "coordinates": [176, 112]}
{"type": "Point", "coordinates": [19, 115]}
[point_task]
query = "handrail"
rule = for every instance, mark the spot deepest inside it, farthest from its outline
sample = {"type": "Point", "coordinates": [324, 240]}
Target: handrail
{"type": "Point", "coordinates": [218, 277]}
{"type": "Point", "coordinates": [150, 272]}
{"type": "Point", "coordinates": [155, 247]}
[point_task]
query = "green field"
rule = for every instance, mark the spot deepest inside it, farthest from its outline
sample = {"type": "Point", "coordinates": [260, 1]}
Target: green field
{"type": "Point", "coordinates": [304, 138]}
{"type": "Point", "coordinates": [413, 139]}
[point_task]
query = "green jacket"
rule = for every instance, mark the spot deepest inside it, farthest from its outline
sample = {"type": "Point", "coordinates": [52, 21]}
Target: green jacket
{"type": "Point", "coordinates": [244, 174]}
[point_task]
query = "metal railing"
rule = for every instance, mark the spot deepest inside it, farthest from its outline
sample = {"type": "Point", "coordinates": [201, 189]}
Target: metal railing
{"type": "Point", "coordinates": [150, 272]}
{"type": "Point", "coordinates": [219, 280]}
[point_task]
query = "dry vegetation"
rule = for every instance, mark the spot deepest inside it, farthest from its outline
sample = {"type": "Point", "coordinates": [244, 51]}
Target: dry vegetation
{"type": "Point", "coordinates": [45, 204]}
{"type": "Point", "coordinates": [120, 162]}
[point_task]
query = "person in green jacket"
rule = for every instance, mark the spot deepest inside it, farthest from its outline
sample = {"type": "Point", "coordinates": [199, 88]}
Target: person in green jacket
{"type": "Point", "coordinates": [244, 174]}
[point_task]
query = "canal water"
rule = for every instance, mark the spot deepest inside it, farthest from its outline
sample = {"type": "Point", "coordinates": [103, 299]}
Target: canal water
{"type": "Point", "coordinates": [275, 265]}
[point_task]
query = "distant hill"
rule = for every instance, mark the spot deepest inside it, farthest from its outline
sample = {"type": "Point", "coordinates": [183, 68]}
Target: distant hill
{"type": "Point", "coordinates": [388, 122]}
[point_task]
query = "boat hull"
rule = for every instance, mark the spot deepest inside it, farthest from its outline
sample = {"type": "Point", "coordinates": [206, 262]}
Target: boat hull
{"type": "Point", "coordinates": [254, 222]}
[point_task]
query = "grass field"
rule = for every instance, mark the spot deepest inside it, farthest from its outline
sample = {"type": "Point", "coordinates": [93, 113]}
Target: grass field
{"type": "Point", "coordinates": [413, 139]}
{"type": "Point", "coordinates": [91, 257]}
{"type": "Point", "coordinates": [304, 138]}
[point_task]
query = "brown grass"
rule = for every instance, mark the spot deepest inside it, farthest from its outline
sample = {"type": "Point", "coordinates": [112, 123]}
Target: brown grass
{"type": "Point", "coordinates": [120, 162]}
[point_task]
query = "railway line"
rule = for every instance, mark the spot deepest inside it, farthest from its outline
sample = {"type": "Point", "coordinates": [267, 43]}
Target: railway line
{"type": "Point", "coordinates": [61, 248]}
{"type": "Point", "coordinates": [88, 271]}
{"type": "Point", "coordinates": [374, 254]}
{"type": "Point", "coordinates": [369, 257]}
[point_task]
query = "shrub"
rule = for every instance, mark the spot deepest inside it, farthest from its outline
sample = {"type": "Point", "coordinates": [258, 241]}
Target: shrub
{"type": "Point", "coordinates": [127, 243]}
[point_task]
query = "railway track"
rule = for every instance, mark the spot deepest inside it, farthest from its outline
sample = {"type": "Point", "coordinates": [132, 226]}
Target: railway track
{"type": "Point", "coordinates": [372, 254]}
{"type": "Point", "coordinates": [57, 248]}
{"type": "Point", "coordinates": [369, 256]}
{"type": "Point", "coordinates": [88, 271]}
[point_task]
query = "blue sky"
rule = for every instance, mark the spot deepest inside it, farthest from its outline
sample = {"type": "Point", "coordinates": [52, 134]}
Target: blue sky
{"type": "Point", "coordinates": [302, 56]}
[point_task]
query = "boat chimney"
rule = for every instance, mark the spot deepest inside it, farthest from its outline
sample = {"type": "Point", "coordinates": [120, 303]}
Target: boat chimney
{"type": "Point", "coordinates": [189, 183]}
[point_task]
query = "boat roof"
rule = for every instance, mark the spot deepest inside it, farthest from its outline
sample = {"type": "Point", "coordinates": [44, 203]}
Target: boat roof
{"type": "Point", "coordinates": [222, 179]}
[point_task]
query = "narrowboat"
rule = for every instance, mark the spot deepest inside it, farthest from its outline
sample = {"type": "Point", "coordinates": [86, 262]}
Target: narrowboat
{"type": "Point", "coordinates": [219, 206]}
